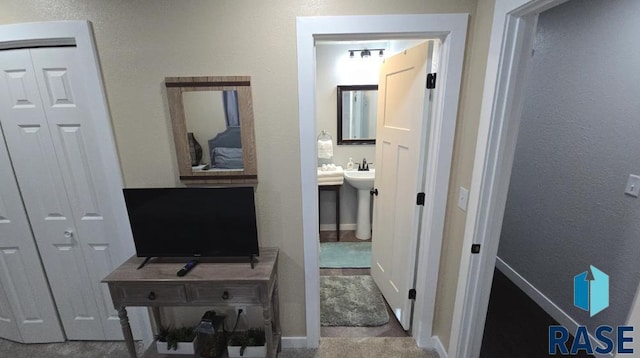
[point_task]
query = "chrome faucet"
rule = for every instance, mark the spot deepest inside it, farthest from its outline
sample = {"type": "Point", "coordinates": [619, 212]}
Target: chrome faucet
{"type": "Point", "coordinates": [363, 166]}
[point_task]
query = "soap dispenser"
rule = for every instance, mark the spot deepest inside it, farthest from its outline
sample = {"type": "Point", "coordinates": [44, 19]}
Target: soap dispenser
{"type": "Point", "coordinates": [350, 164]}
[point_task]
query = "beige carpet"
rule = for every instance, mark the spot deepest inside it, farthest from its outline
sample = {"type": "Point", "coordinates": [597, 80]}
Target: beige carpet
{"type": "Point", "coordinates": [387, 347]}
{"type": "Point", "coordinates": [70, 349]}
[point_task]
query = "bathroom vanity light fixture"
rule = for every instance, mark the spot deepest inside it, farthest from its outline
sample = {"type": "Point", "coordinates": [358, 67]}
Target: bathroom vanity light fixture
{"type": "Point", "coordinates": [366, 53]}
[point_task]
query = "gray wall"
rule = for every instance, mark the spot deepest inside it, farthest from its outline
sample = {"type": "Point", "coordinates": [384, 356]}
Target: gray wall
{"type": "Point", "coordinates": [578, 143]}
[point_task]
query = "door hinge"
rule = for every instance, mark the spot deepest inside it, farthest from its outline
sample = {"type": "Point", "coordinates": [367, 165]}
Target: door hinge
{"type": "Point", "coordinates": [431, 80]}
{"type": "Point", "coordinates": [475, 248]}
{"type": "Point", "coordinates": [420, 199]}
{"type": "Point", "coordinates": [412, 294]}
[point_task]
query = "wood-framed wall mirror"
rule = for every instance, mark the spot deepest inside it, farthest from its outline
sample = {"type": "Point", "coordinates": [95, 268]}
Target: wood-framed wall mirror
{"type": "Point", "coordinates": [357, 113]}
{"type": "Point", "coordinates": [213, 129]}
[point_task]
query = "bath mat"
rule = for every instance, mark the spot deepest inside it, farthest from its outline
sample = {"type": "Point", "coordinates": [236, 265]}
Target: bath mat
{"type": "Point", "coordinates": [353, 301]}
{"type": "Point", "coordinates": [345, 255]}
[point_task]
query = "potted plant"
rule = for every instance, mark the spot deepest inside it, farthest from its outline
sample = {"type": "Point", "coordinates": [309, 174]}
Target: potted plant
{"type": "Point", "coordinates": [251, 344]}
{"type": "Point", "coordinates": [176, 340]}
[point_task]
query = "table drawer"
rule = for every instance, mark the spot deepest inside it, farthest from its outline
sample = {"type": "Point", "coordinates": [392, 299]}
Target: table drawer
{"type": "Point", "coordinates": [152, 294]}
{"type": "Point", "coordinates": [228, 294]}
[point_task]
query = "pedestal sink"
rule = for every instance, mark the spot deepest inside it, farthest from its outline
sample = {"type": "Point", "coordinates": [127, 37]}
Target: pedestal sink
{"type": "Point", "coordinates": [363, 182]}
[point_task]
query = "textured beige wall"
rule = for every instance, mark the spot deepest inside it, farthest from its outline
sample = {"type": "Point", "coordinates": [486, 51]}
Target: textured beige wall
{"type": "Point", "coordinates": [142, 41]}
{"type": "Point", "coordinates": [462, 165]}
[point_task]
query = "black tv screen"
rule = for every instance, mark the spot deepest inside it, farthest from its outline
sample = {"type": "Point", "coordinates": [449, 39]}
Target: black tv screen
{"type": "Point", "coordinates": [185, 222]}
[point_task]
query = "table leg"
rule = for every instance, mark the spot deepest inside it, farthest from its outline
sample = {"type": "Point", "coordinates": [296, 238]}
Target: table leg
{"type": "Point", "coordinates": [268, 329]}
{"type": "Point", "coordinates": [155, 311]}
{"type": "Point", "coordinates": [338, 214]}
{"type": "Point", "coordinates": [275, 301]}
{"type": "Point", "coordinates": [319, 196]}
{"type": "Point", "coordinates": [126, 330]}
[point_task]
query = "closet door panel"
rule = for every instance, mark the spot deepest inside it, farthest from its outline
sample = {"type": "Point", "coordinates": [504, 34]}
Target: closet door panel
{"type": "Point", "coordinates": [32, 320]}
{"type": "Point", "coordinates": [9, 233]}
{"type": "Point", "coordinates": [37, 167]}
{"type": "Point", "coordinates": [8, 326]}
{"type": "Point", "coordinates": [27, 312]}
{"type": "Point", "coordinates": [73, 136]}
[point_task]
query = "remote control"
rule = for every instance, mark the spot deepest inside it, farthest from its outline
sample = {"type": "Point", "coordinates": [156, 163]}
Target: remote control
{"type": "Point", "coordinates": [186, 268]}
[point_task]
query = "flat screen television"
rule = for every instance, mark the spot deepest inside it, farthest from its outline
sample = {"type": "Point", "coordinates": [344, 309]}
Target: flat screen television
{"type": "Point", "coordinates": [193, 222]}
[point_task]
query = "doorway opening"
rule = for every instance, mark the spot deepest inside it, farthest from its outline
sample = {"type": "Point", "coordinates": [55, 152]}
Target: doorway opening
{"type": "Point", "coordinates": [510, 116]}
{"type": "Point", "coordinates": [347, 76]}
{"type": "Point", "coordinates": [564, 137]}
{"type": "Point", "coordinates": [451, 30]}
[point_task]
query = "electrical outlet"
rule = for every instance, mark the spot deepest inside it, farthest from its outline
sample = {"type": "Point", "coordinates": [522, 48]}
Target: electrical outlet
{"type": "Point", "coordinates": [243, 308]}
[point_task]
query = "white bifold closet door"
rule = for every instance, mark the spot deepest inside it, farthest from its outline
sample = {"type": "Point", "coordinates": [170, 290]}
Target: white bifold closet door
{"type": "Point", "coordinates": [53, 148]}
{"type": "Point", "coordinates": [27, 312]}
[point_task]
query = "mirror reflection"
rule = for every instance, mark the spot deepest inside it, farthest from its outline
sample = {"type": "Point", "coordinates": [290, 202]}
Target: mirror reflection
{"type": "Point", "coordinates": [213, 130]}
{"type": "Point", "coordinates": [357, 114]}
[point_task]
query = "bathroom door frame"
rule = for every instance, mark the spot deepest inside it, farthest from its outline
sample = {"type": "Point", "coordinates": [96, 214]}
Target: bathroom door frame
{"type": "Point", "coordinates": [80, 35]}
{"type": "Point", "coordinates": [451, 29]}
{"type": "Point", "coordinates": [512, 34]}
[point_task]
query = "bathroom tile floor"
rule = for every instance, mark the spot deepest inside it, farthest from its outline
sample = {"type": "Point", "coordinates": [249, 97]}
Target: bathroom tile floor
{"type": "Point", "coordinates": [391, 329]}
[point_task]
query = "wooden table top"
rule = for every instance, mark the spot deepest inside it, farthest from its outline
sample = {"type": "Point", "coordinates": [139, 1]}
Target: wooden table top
{"type": "Point", "coordinates": [160, 270]}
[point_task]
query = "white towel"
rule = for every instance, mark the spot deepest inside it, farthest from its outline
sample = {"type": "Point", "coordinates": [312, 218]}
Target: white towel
{"type": "Point", "coordinates": [323, 179]}
{"type": "Point", "coordinates": [337, 173]}
{"type": "Point", "coordinates": [325, 148]}
{"type": "Point", "coordinates": [330, 181]}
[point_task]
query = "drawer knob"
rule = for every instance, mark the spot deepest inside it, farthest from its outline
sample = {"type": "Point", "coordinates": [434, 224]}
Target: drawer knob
{"type": "Point", "coordinates": [225, 295]}
{"type": "Point", "coordinates": [152, 296]}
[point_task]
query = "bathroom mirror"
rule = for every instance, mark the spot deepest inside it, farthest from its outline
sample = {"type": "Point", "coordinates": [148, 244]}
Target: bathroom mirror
{"type": "Point", "coordinates": [357, 113]}
{"type": "Point", "coordinates": [213, 130]}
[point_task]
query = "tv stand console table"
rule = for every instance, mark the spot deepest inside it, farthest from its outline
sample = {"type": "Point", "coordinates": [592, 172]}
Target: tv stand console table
{"type": "Point", "coordinates": [207, 284]}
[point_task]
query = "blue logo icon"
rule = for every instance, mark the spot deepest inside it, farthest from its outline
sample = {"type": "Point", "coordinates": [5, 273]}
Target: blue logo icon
{"type": "Point", "coordinates": [591, 291]}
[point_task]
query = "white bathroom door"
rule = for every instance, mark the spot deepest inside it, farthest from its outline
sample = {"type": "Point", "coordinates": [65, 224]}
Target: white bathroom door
{"type": "Point", "coordinates": [53, 148]}
{"type": "Point", "coordinates": [27, 312]}
{"type": "Point", "coordinates": [400, 154]}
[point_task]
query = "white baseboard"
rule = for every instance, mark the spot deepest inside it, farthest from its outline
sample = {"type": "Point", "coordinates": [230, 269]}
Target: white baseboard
{"type": "Point", "coordinates": [543, 301]}
{"type": "Point", "coordinates": [442, 353]}
{"type": "Point", "coordinates": [332, 227]}
{"type": "Point", "coordinates": [434, 343]}
{"type": "Point", "coordinates": [294, 342]}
